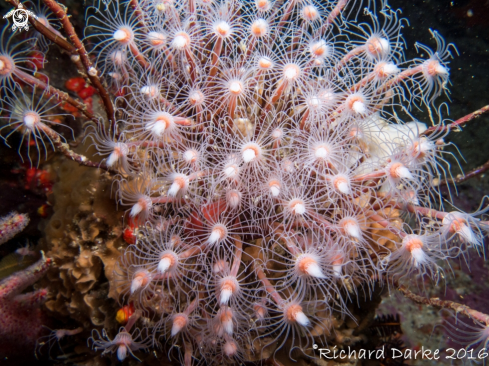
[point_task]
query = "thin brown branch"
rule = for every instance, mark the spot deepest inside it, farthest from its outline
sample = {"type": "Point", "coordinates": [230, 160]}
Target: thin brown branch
{"type": "Point", "coordinates": [445, 304]}
{"type": "Point", "coordinates": [92, 72]}
{"type": "Point", "coordinates": [59, 95]}
{"type": "Point", "coordinates": [458, 122]}
{"type": "Point", "coordinates": [462, 178]}
{"type": "Point", "coordinates": [64, 148]}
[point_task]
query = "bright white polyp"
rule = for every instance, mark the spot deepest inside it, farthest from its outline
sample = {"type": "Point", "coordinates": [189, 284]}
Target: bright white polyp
{"type": "Point", "coordinates": [359, 107]}
{"type": "Point", "coordinates": [390, 68]}
{"type": "Point", "coordinates": [121, 352]}
{"type": "Point", "coordinates": [157, 128]}
{"type": "Point", "coordinates": [275, 190]}
{"type": "Point", "coordinates": [352, 229]}
{"type": "Point", "coordinates": [218, 233]}
{"type": "Point", "coordinates": [249, 155]}
{"type": "Point", "coordinates": [120, 35]}
{"type": "Point", "coordinates": [419, 256]}
{"type": "Point", "coordinates": [136, 283]}
{"type": "Point", "coordinates": [222, 29]}
{"type": "Point", "coordinates": [30, 120]}
{"type": "Point", "coordinates": [180, 42]}
{"type": "Point", "coordinates": [321, 153]}
{"type": "Point", "coordinates": [302, 319]}
{"type": "Point", "coordinates": [174, 188]}
{"type": "Point", "coordinates": [291, 72]}
{"type": "Point", "coordinates": [231, 171]}
{"type": "Point", "coordinates": [299, 209]}
{"type": "Point", "coordinates": [259, 28]}
{"type": "Point", "coordinates": [233, 198]}
{"type": "Point", "coordinates": [236, 87]}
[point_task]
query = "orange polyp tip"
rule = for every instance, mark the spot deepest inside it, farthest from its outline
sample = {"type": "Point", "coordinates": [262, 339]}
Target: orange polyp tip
{"type": "Point", "coordinates": [292, 311]}
{"type": "Point", "coordinates": [413, 243]}
{"type": "Point", "coordinates": [223, 28]}
{"type": "Point", "coordinates": [196, 97]}
{"type": "Point", "coordinates": [179, 322]}
{"type": "Point", "coordinates": [236, 87]}
{"type": "Point", "coordinates": [123, 35]}
{"type": "Point", "coordinates": [292, 71]}
{"type": "Point", "coordinates": [297, 206]}
{"type": "Point", "coordinates": [319, 48]}
{"type": "Point", "coordinates": [305, 263]}
{"type": "Point", "coordinates": [265, 63]}
{"type": "Point", "coordinates": [181, 40]}
{"type": "Point", "coordinates": [6, 66]}
{"type": "Point", "coordinates": [310, 13]}
{"type": "Point", "coordinates": [259, 28]}
{"type": "Point", "coordinates": [156, 39]}
{"type": "Point", "coordinates": [263, 4]}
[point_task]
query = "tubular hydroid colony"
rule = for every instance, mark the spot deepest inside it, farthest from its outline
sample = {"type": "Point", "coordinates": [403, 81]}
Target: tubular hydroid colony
{"type": "Point", "coordinates": [258, 147]}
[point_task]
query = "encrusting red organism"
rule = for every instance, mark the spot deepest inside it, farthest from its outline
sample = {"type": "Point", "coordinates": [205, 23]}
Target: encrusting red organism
{"type": "Point", "coordinates": [268, 179]}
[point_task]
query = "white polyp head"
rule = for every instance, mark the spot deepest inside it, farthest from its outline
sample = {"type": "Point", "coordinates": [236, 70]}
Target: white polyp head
{"type": "Point", "coordinates": [226, 319]}
{"type": "Point", "coordinates": [144, 204]}
{"type": "Point", "coordinates": [259, 28]}
{"type": "Point", "coordinates": [228, 286]}
{"type": "Point", "coordinates": [359, 107]}
{"type": "Point", "coordinates": [414, 245]}
{"type": "Point", "coordinates": [307, 264]}
{"type": "Point", "coordinates": [156, 39]}
{"type": "Point", "coordinates": [196, 97]}
{"type": "Point", "coordinates": [297, 206]}
{"type": "Point", "coordinates": [181, 41]}
{"type": "Point", "coordinates": [157, 128]}
{"type": "Point", "coordinates": [31, 119]}
{"type": "Point", "coordinates": [230, 348]}
{"type": "Point", "coordinates": [265, 63]}
{"type": "Point", "coordinates": [180, 182]}
{"type": "Point", "coordinates": [236, 87]}
{"type": "Point", "coordinates": [351, 228]}
{"type": "Point", "coordinates": [294, 313]}
{"type": "Point", "coordinates": [274, 187]}
{"type": "Point", "coordinates": [314, 102]}
{"type": "Point", "coordinates": [378, 46]}
{"type": "Point", "coordinates": [220, 266]}
{"type": "Point", "coordinates": [342, 184]}
{"type": "Point", "coordinates": [398, 171]}
{"type": "Point", "coordinates": [310, 13]}
{"type": "Point", "coordinates": [140, 279]}
{"type": "Point", "coordinates": [231, 171]}
{"type": "Point", "coordinates": [190, 156]}
{"type": "Point", "coordinates": [233, 198]}
{"type": "Point", "coordinates": [337, 270]}
{"type": "Point", "coordinates": [121, 352]}
{"type": "Point", "coordinates": [118, 57]}
{"type": "Point", "coordinates": [433, 67]}
{"type": "Point", "coordinates": [249, 155]}
{"type": "Point", "coordinates": [218, 233]}
{"type": "Point", "coordinates": [291, 72]}
{"type": "Point", "coordinates": [457, 223]}
{"type": "Point", "coordinates": [321, 152]}
{"type": "Point", "coordinates": [320, 49]}
{"type": "Point", "coordinates": [167, 261]}
{"type": "Point", "coordinates": [222, 29]}
{"type": "Point", "coordinates": [150, 91]}
{"type": "Point", "coordinates": [277, 134]}
{"type": "Point", "coordinates": [122, 35]}
{"type": "Point", "coordinates": [2, 65]}
{"type": "Point", "coordinates": [263, 5]}
{"type": "Point", "coordinates": [390, 68]}
{"type": "Point", "coordinates": [179, 322]}
{"type": "Point", "coordinates": [120, 150]}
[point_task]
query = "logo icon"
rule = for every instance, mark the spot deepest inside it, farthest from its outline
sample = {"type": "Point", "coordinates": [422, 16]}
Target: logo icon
{"type": "Point", "coordinates": [20, 17]}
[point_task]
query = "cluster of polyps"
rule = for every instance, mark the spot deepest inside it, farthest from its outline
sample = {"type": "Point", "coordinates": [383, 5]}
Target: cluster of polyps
{"type": "Point", "coordinates": [259, 152]}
